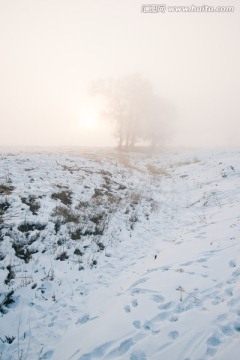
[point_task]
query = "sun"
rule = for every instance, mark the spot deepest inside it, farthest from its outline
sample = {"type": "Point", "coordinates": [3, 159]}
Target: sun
{"type": "Point", "coordinates": [88, 119]}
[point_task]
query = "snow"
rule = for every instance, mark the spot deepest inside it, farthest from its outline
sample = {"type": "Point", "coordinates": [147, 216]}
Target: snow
{"type": "Point", "coordinates": [164, 284]}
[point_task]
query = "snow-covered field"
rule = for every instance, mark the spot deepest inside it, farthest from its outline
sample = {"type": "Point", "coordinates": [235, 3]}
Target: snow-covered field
{"type": "Point", "coordinates": [119, 256]}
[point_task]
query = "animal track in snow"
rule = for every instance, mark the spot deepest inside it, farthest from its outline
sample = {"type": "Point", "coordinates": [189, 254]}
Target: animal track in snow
{"type": "Point", "coordinates": [134, 303]}
{"type": "Point", "coordinates": [139, 355]}
{"type": "Point", "coordinates": [232, 263]}
{"type": "Point", "coordinates": [173, 334]}
{"type": "Point", "coordinates": [214, 341]}
{"type": "Point", "coordinates": [157, 298]}
{"type": "Point", "coordinates": [137, 324]}
{"type": "Point", "coordinates": [166, 306]}
{"type": "Point", "coordinates": [127, 308]}
{"type": "Point", "coordinates": [227, 330]}
{"type": "Point", "coordinates": [98, 352]}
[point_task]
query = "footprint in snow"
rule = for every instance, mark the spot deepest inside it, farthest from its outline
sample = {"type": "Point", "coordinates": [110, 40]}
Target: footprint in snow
{"type": "Point", "coordinates": [233, 302]}
{"type": "Point", "coordinates": [47, 355]}
{"type": "Point", "coordinates": [227, 330]}
{"type": "Point", "coordinates": [237, 326]}
{"type": "Point", "coordinates": [85, 318]}
{"type": "Point", "coordinates": [152, 327]}
{"type": "Point", "coordinates": [166, 306]}
{"type": "Point", "coordinates": [222, 317]}
{"type": "Point", "coordinates": [173, 318]}
{"type": "Point", "coordinates": [124, 347]}
{"type": "Point", "coordinates": [214, 341]}
{"type": "Point", "coordinates": [139, 355]}
{"type": "Point", "coordinates": [173, 334]}
{"type": "Point", "coordinates": [141, 281]}
{"type": "Point", "coordinates": [232, 263]}
{"type": "Point", "coordinates": [157, 298]}
{"type": "Point", "coordinates": [134, 303]}
{"type": "Point", "coordinates": [231, 281]}
{"type": "Point", "coordinates": [135, 291]}
{"type": "Point", "coordinates": [97, 352]}
{"type": "Point", "coordinates": [187, 263]}
{"type": "Point", "coordinates": [211, 351]}
{"type": "Point", "coordinates": [217, 300]}
{"type": "Point", "coordinates": [137, 324]}
{"type": "Point", "coordinates": [236, 273]}
{"type": "Point", "coordinates": [229, 291]}
{"type": "Point", "coordinates": [127, 308]}
{"type": "Point", "coordinates": [202, 260]}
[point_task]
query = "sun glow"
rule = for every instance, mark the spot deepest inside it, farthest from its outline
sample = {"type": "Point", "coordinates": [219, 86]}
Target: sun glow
{"type": "Point", "coordinates": [89, 119]}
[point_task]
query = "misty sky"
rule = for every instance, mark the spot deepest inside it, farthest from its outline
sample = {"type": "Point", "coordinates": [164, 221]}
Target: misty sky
{"type": "Point", "coordinates": [51, 50]}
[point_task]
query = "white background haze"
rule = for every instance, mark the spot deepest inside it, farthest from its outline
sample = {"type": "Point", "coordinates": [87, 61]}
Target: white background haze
{"type": "Point", "coordinates": [51, 50]}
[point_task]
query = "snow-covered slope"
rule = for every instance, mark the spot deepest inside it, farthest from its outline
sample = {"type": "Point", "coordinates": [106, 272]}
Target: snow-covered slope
{"type": "Point", "coordinates": [113, 256]}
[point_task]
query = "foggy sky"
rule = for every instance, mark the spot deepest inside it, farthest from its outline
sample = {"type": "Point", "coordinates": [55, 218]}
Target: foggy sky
{"type": "Point", "coordinates": [51, 50]}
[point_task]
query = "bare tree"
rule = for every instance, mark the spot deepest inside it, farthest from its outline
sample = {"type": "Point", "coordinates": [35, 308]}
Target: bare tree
{"type": "Point", "coordinates": [137, 112]}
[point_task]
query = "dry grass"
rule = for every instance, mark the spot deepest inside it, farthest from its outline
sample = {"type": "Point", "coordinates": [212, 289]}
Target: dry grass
{"type": "Point", "coordinates": [65, 215]}
{"type": "Point", "coordinates": [156, 171]}
{"type": "Point", "coordinates": [6, 189]}
{"type": "Point", "coordinates": [124, 160]}
{"type": "Point", "coordinates": [187, 162]}
{"type": "Point", "coordinates": [135, 198]}
{"type": "Point", "coordinates": [64, 196]}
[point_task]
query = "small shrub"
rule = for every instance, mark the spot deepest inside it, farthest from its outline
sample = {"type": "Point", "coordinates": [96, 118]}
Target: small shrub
{"type": "Point", "coordinates": [98, 231]}
{"type": "Point", "coordinates": [61, 241]}
{"type": "Point", "coordinates": [122, 187]}
{"type": "Point", "coordinates": [82, 204]}
{"type": "Point", "coordinates": [135, 198]}
{"type": "Point", "coordinates": [63, 256]}
{"type": "Point", "coordinates": [64, 196]}
{"type": "Point", "coordinates": [113, 200]}
{"type": "Point", "coordinates": [154, 205]}
{"type": "Point", "coordinates": [100, 246]}
{"type": "Point", "coordinates": [1, 233]}
{"type": "Point", "coordinates": [6, 189]}
{"type": "Point", "coordinates": [23, 252]}
{"type": "Point", "coordinates": [65, 215]}
{"type": "Point", "coordinates": [93, 263]}
{"type": "Point", "coordinates": [1, 216]}
{"type": "Point", "coordinates": [33, 238]}
{"type": "Point", "coordinates": [4, 205]}
{"type": "Point", "coordinates": [57, 225]}
{"type": "Point", "coordinates": [7, 301]}
{"type": "Point", "coordinates": [133, 219]}
{"type": "Point", "coordinates": [97, 218]}
{"type": "Point", "coordinates": [10, 275]}
{"type": "Point", "coordinates": [32, 202]}
{"type": "Point", "coordinates": [8, 339]}
{"type": "Point", "coordinates": [78, 252]}
{"type": "Point", "coordinates": [30, 226]}
{"type": "Point", "coordinates": [76, 234]}
{"type": "Point", "coordinates": [98, 192]}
